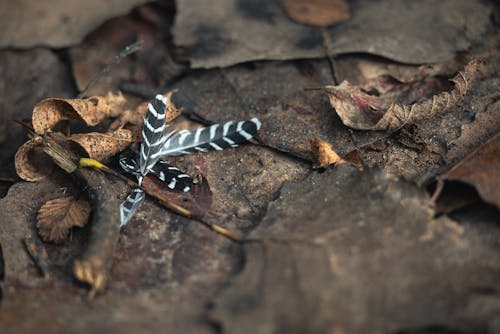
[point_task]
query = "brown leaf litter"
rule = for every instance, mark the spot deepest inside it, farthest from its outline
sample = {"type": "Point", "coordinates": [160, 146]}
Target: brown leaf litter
{"type": "Point", "coordinates": [90, 111]}
{"type": "Point", "coordinates": [54, 23]}
{"type": "Point", "coordinates": [480, 169]}
{"type": "Point", "coordinates": [124, 130]}
{"type": "Point", "coordinates": [56, 218]}
{"type": "Point", "coordinates": [362, 111]}
{"type": "Point", "coordinates": [319, 13]}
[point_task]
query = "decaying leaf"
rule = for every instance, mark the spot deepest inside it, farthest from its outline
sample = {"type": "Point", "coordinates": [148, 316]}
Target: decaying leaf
{"type": "Point", "coordinates": [481, 169]}
{"type": "Point", "coordinates": [101, 146]}
{"type": "Point", "coordinates": [317, 12]}
{"type": "Point", "coordinates": [237, 31]}
{"type": "Point", "coordinates": [90, 111]}
{"type": "Point", "coordinates": [361, 111]}
{"type": "Point", "coordinates": [55, 23]}
{"type": "Point", "coordinates": [136, 117]}
{"type": "Point", "coordinates": [26, 168]}
{"type": "Point", "coordinates": [56, 217]}
{"type": "Point", "coordinates": [323, 154]}
{"type": "Point", "coordinates": [341, 250]}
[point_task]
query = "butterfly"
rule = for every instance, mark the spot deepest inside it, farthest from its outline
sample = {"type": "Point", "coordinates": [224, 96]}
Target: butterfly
{"type": "Point", "coordinates": [158, 144]}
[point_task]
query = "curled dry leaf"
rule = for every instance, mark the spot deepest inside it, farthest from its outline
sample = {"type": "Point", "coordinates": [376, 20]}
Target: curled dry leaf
{"type": "Point", "coordinates": [56, 217]}
{"type": "Point", "coordinates": [361, 111]}
{"type": "Point", "coordinates": [101, 146]}
{"type": "Point", "coordinates": [323, 154]}
{"type": "Point", "coordinates": [26, 167]}
{"type": "Point", "coordinates": [91, 111]}
{"type": "Point", "coordinates": [480, 169]}
{"type": "Point", "coordinates": [317, 12]}
{"type": "Point", "coordinates": [136, 117]}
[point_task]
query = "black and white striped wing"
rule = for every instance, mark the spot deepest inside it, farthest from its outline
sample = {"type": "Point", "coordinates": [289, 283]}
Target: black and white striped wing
{"type": "Point", "coordinates": [172, 176]}
{"type": "Point", "coordinates": [129, 163]}
{"type": "Point", "coordinates": [152, 134]}
{"type": "Point", "coordinates": [215, 137]}
{"type": "Point", "coordinates": [130, 205]}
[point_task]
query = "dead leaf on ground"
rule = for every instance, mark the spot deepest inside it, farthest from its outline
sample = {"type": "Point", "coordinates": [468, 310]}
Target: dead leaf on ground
{"type": "Point", "coordinates": [323, 154]}
{"type": "Point", "coordinates": [319, 13]}
{"type": "Point", "coordinates": [237, 31]}
{"type": "Point", "coordinates": [55, 23]}
{"type": "Point", "coordinates": [101, 146]}
{"type": "Point", "coordinates": [26, 77]}
{"type": "Point", "coordinates": [56, 217]}
{"type": "Point", "coordinates": [28, 168]}
{"type": "Point", "coordinates": [339, 242]}
{"type": "Point", "coordinates": [151, 66]}
{"type": "Point", "coordinates": [136, 117]}
{"type": "Point", "coordinates": [361, 111]}
{"type": "Point", "coordinates": [481, 170]}
{"type": "Point", "coordinates": [90, 111]}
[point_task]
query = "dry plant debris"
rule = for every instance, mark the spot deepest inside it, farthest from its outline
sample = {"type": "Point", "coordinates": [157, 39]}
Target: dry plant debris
{"type": "Point", "coordinates": [323, 154]}
{"type": "Point", "coordinates": [90, 111]}
{"type": "Point", "coordinates": [56, 218]}
{"type": "Point", "coordinates": [54, 23]}
{"type": "Point", "coordinates": [238, 31]}
{"type": "Point", "coordinates": [319, 13]}
{"type": "Point", "coordinates": [361, 111]}
{"type": "Point", "coordinates": [480, 169]}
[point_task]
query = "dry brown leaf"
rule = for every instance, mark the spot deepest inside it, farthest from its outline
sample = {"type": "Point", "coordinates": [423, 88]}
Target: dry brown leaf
{"type": "Point", "coordinates": [323, 154]}
{"type": "Point", "coordinates": [317, 12]}
{"type": "Point", "coordinates": [26, 168]}
{"type": "Point", "coordinates": [56, 217]}
{"type": "Point", "coordinates": [101, 146]}
{"type": "Point", "coordinates": [90, 111]}
{"type": "Point", "coordinates": [361, 111]}
{"type": "Point", "coordinates": [480, 169]}
{"type": "Point", "coordinates": [136, 117]}
{"type": "Point", "coordinates": [56, 23]}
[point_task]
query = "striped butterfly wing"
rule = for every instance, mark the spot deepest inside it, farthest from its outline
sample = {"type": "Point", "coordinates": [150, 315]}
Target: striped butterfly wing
{"type": "Point", "coordinates": [171, 175]}
{"type": "Point", "coordinates": [215, 137]}
{"type": "Point", "coordinates": [130, 205]}
{"type": "Point", "coordinates": [152, 134]}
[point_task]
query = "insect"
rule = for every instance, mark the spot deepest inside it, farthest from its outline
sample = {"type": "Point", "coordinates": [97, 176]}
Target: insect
{"type": "Point", "coordinates": [156, 144]}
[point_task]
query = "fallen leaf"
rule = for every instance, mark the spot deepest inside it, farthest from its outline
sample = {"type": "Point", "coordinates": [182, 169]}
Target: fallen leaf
{"type": "Point", "coordinates": [26, 77]}
{"type": "Point", "coordinates": [55, 23]}
{"type": "Point", "coordinates": [90, 111]}
{"type": "Point", "coordinates": [361, 111]}
{"type": "Point", "coordinates": [323, 154]}
{"type": "Point", "coordinates": [237, 31]}
{"type": "Point", "coordinates": [27, 167]}
{"type": "Point", "coordinates": [319, 13]}
{"type": "Point", "coordinates": [337, 243]}
{"type": "Point", "coordinates": [56, 217]}
{"type": "Point", "coordinates": [481, 170]}
{"type": "Point", "coordinates": [101, 146]}
{"type": "Point", "coordinates": [136, 117]}
{"type": "Point", "coordinates": [150, 67]}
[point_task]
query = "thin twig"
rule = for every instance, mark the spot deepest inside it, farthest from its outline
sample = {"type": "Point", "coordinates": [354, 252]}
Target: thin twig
{"type": "Point", "coordinates": [129, 49]}
{"type": "Point", "coordinates": [330, 56]}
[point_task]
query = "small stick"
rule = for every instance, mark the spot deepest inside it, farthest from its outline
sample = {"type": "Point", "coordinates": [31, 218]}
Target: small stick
{"type": "Point", "coordinates": [129, 49]}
